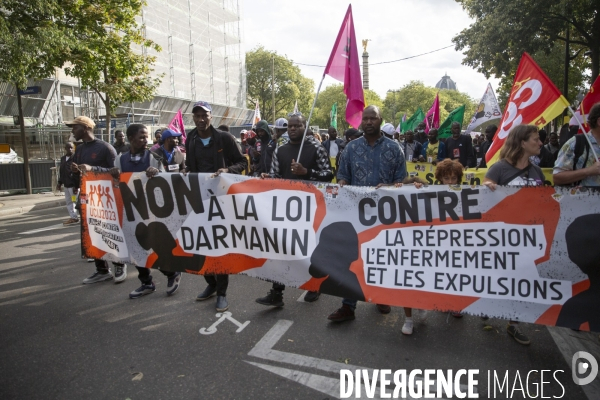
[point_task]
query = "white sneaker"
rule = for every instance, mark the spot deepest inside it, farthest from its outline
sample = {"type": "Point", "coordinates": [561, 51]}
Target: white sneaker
{"type": "Point", "coordinates": [407, 328]}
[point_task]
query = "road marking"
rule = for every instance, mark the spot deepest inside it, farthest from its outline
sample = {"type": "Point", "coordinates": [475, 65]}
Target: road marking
{"type": "Point", "coordinates": [264, 349]}
{"type": "Point", "coordinates": [48, 228]}
{"type": "Point", "coordinates": [570, 342]}
{"type": "Point", "coordinates": [323, 384]}
{"type": "Point", "coordinates": [38, 296]}
{"type": "Point", "coordinates": [222, 317]}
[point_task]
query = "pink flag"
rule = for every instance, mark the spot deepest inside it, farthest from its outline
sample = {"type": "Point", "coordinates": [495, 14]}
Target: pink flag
{"type": "Point", "coordinates": [176, 125]}
{"type": "Point", "coordinates": [432, 119]}
{"type": "Point", "coordinates": [343, 65]}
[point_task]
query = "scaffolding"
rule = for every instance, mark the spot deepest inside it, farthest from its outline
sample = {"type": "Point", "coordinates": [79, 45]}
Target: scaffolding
{"type": "Point", "coordinates": [201, 59]}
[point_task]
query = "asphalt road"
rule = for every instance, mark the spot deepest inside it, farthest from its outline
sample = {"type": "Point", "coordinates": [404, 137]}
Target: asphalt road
{"type": "Point", "coordinates": [65, 340]}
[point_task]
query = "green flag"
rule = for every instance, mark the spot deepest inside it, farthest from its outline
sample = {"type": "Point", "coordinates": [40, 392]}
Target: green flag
{"type": "Point", "coordinates": [411, 123]}
{"type": "Point", "coordinates": [455, 115]}
{"type": "Point", "coordinates": [333, 115]}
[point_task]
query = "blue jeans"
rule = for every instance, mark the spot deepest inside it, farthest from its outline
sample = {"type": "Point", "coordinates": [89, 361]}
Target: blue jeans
{"type": "Point", "coordinates": [350, 303]}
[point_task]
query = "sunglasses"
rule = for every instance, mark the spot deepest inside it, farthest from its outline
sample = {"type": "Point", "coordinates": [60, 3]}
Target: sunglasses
{"type": "Point", "coordinates": [295, 114]}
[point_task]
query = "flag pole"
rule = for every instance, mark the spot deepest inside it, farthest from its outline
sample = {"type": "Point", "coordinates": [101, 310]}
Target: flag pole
{"type": "Point", "coordinates": [309, 117]}
{"type": "Point", "coordinates": [584, 133]}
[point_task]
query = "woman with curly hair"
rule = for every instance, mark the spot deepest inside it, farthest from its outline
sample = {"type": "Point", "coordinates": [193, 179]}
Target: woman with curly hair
{"type": "Point", "coordinates": [449, 172]}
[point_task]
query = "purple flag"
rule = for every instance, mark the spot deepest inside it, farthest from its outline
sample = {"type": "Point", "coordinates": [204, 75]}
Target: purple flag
{"type": "Point", "coordinates": [343, 65]}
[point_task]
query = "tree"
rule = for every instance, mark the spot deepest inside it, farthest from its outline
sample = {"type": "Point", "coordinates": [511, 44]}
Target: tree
{"type": "Point", "coordinates": [289, 84]}
{"type": "Point", "coordinates": [33, 42]}
{"type": "Point", "coordinates": [415, 94]}
{"type": "Point", "coordinates": [335, 94]}
{"type": "Point", "coordinates": [503, 30]}
{"type": "Point", "coordinates": [104, 60]}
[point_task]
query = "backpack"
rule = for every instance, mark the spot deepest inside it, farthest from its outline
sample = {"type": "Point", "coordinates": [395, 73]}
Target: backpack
{"type": "Point", "coordinates": [580, 143]}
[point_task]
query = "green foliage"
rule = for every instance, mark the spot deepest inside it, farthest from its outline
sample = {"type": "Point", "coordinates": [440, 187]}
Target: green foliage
{"type": "Point", "coordinates": [289, 84]}
{"type": "Point", "coordinates": [335, 94]}
{"type": "Point", "coordinates": [503, 30]}
{"type": "Point", "coordinates": [34, 39]}
{"type": "Point", "coordinates": [104, 59]}
{"type": "Point", "coordinates": [415, 94]}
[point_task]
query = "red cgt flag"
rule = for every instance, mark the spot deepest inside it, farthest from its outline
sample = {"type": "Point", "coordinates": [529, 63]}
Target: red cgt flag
{"type": "Point", "coordinates": [592, 97]}
{"type": "Point", "coordinates": [534, 99]}
{"type": "Point", "coordinates": [343, 65]}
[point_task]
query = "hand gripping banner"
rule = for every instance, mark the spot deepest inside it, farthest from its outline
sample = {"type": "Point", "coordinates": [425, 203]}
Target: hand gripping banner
{"type": "Point", "coordinates": [527, 254]}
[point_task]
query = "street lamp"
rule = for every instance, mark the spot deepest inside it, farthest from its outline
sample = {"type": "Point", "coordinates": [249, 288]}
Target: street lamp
{"type": "Point", "coordinates": [394, 106]}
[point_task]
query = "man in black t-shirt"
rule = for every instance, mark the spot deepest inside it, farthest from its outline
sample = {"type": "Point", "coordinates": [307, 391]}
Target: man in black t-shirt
{"type": "Point", "coordinates": [313, 164]}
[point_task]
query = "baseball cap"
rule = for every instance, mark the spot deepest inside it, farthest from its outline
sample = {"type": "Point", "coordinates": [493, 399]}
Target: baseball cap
{"type": "Point", "coordinates": [281, 123]}
{"type": "Point", "coordinates": [351, 132]}
{"type": "Point", "coordinates": [388, 129]}
{"type": "Point", "coordinates": [85, 121]}
{"type": "Point", "coordinates": [250, 134]}
{"type": "Point", "coordinates": [167, 133]}
{"type": "Point", "coordinates": [203, 105]}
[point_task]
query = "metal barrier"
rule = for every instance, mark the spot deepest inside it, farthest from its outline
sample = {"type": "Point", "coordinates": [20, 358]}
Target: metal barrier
{"type": "Point", "coordinates": [12, 176]}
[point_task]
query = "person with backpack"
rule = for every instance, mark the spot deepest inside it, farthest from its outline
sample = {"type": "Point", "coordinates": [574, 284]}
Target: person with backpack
{"type": "Point", "coordinates": [575, 163]}
{"type": "Point", "coordinates": [140, 159]}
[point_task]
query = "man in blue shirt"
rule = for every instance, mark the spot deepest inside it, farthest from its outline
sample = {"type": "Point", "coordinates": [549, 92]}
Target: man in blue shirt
{"type": "Point", "coordinates": [370, 160]}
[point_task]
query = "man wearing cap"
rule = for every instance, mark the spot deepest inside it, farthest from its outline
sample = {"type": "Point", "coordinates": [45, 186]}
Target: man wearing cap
{"type": "Point", "coordinates": [210, 150]}
{"type": "Point", "coordinates": [171, 157]}
{"type": "Point", "coordinates": [281, 127]}
{"type": "Point", "coordinates": [98, 156]}
{"type": "Point", "coordinates": [388, 130]}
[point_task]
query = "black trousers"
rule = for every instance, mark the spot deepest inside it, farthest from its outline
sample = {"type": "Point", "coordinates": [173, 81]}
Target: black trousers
{"type": "Point", "coordinates": [102, 266]}
{"type": "Point", "coordinates": [146, 278]}
{"type": "Point", "coordinates": [278, 287]}
{"type": "Point", "coordinates": [219, 281]}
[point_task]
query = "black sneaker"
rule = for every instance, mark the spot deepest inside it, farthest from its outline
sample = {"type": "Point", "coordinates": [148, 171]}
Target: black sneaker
{"type": "Point", "coordinates": [173, 283]}
{"type": "Point", "coordinates": [273, 298]}
{"type": "Point", "coordinates": [120, 272]}
{"type": "Point", "coordinates": [516, 333]}
{"type": "Point", "coordinates": [142, 290]}
{"type": "Point", "coordinates": [311, 296]}
{"type": "Point", "coordinates": [98, 277]}
{"type": "Point", "coordinates": [208, 293]}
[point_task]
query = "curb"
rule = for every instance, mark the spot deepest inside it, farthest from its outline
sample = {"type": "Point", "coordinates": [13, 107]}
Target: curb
{"type": "Point", "coordinates": [25, 209]}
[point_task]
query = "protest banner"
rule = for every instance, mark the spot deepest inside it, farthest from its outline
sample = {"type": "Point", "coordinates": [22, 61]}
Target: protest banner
{"type": "Point", "coordinates": [526, 254]}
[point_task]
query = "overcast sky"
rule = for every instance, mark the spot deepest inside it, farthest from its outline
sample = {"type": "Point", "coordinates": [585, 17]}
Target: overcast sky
{"type": "Point", "coordinates": [305, 32]}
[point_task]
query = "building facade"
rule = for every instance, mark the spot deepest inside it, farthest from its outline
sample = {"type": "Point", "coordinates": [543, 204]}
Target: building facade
{"type": "Point", "coordinates": [202, 58]}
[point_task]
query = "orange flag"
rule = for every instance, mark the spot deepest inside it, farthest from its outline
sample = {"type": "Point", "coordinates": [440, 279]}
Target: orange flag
{"type": "Point", "coordinates": [534, 99]}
